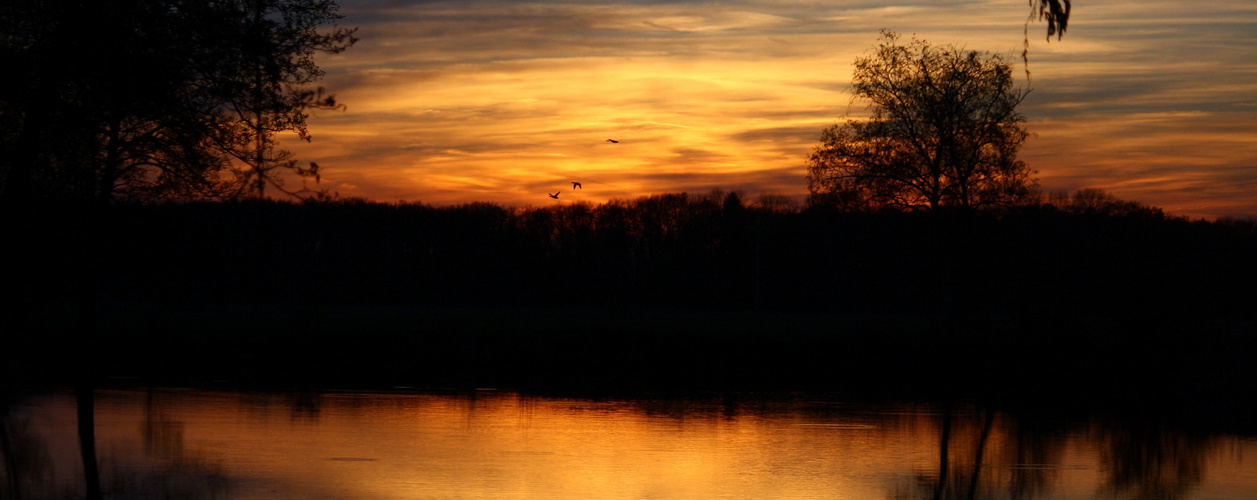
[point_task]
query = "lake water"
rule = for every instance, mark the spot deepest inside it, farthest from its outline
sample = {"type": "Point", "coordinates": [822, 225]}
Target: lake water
{"type": "Point", "coordinates": [498, 445]}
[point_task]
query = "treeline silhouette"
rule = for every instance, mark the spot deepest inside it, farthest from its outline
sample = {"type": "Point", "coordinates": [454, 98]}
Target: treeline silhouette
{"type": "Point", "coordinates": [1080, 295]}
{"type": "Point", "coordinates": [717, 251]}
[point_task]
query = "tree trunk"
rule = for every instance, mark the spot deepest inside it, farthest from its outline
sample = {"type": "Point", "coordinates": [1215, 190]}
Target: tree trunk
{"type": "Point", "coordinates": [84, 352]}
{"type": "Point", "coordinates": [85, 398]}
{"type": "Point", "coordinates": [944, 442]}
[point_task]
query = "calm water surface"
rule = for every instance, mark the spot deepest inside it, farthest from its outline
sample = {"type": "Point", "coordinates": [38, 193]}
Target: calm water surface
{"type": "Point", "coordinates": [494, 445]}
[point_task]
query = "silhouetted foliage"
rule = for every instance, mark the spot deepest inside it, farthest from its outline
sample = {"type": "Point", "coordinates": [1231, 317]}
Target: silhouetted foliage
{"type": "Point", "coordinates": [154, 98]}
{"type": "Point", "coordinates": [1055, 12]}
{"type": "Point", "coordinates": [267, 93]}
{"type": "Point", "coordinates": [1098, 202]}
{"type": "Point", "coordinates": [1085, 252]}
{"type": "Point", "coordinates": [1123, 300]}
{"type": "Point", "coordinates": [944, 132]}
{"type": "Point", "coordinates": [1150, 461]}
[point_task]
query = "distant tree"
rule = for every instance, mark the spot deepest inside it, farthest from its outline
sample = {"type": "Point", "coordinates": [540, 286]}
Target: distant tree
{"type": "Point", "coordinates": [776, 203]}
{"type": "Point", "coordinates": [1094, 201]}
{"type": "Point", "coordinates": [943, 131]}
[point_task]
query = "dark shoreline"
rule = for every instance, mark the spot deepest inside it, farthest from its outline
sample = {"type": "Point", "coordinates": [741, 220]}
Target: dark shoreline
{"type": "Point", "coordinates": [667, 252]}
{"type": "Point", "coordinates": [666, 294]}
{"type": "Point", "coordinates": [1123, 364]}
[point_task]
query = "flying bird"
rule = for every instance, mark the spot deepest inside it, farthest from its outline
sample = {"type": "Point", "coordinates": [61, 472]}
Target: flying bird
{"type": "Point", "coordinates": [575, 185]}
{"type": "Point", "coordinates": [555, 195]}
{"type": "Point", "coordinates": [613, 141]}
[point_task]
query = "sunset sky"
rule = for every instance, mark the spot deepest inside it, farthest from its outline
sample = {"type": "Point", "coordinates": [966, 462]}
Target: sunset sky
{"type": "Point", "coordinates": [506, 101]}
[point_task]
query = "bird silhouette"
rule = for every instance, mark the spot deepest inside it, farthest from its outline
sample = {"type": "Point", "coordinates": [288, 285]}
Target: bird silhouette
{"type": "Point", "coordinates": [613, 141]}
{"type": "Point", "coordinates": [575, 185]}
{"type": "Point", "coordinates": [555, 195]}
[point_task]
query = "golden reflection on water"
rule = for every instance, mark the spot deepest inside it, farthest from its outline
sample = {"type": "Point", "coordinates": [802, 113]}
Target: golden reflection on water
{"type": "Point", "coordinates": [500, 445]}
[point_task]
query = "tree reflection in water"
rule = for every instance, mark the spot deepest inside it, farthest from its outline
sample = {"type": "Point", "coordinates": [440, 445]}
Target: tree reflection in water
{"type": "Point", "coordinates": [1137, 460]}
{"type": "Point", "coordinates": [962, 447]}
{"type": "Point", "coordinates": [1033, 445]}
{"type": "Point", "coordinates": [27, 468]}
{"type": "Point", "coordinates": [951, 451]}
{"type": "Point", "coordinates": [1150, 461]}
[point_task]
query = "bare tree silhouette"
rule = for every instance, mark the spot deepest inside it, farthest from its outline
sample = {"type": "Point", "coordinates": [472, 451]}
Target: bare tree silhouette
{"type": "Point", "coordinates": [158, 98]}
{"type": "Point", "coordinates": [944, 131]}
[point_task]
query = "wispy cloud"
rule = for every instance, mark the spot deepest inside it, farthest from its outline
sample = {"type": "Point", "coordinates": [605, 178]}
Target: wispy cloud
{"type": "Point", "coordinates": [494, 100]}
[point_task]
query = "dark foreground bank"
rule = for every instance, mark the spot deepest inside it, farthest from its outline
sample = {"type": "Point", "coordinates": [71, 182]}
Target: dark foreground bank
{"type": "Point", "coordinates": [1160, 362]}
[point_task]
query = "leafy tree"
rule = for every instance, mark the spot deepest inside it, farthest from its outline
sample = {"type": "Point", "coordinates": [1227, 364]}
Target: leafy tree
{"type": "Point", "coordinates": [144, 99]}
{"type": "Point", "coordinates": [95, 104]}
{"type": "Point", "coordinates": [267, 92]}
{"type": "Point", "coordinates": [943, 131]}
{"type": "Point", "coordinates": [155, 98]}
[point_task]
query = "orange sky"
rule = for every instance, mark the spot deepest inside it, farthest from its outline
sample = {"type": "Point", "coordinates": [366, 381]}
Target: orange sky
{"type": "Point", "coordinates": [505, 101]}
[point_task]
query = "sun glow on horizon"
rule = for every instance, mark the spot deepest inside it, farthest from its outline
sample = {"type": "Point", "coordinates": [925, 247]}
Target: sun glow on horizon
{"type": "Point", "coordinates": [509, 101]}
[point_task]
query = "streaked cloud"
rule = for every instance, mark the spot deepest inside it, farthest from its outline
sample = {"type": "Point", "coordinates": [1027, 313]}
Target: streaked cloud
{"type": "Point", "coordinates": [503, 101]}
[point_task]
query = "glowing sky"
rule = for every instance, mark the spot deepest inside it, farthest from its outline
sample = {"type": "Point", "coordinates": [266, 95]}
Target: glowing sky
{"type": "Point", "coordinates": [505, 101]}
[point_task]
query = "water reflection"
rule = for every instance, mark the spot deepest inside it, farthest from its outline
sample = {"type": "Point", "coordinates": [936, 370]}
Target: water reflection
{"type": "Point", "coordinates": [200, 444]}
{"type": "Point", "coordinates": [1031, 457]}
{"type": "Point", "coordinates": [27, 466]}
{"type": "Point", "coordinates": [1149, 461]}
{"type": "Point", "coordinates": [162, 435]}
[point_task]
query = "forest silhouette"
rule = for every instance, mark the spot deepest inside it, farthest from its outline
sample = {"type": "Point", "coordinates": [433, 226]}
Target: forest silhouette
{"type": "Point", "coordinates": [715, 251]}
{"type": "Point", "coordinates": [1074, 295]}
